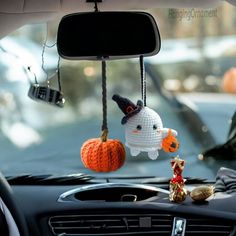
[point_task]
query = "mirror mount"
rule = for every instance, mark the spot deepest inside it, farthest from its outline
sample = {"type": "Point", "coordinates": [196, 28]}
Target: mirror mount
{"type": "Point", "coordinates": [95, 4]}
{"type": "Point", "coordinates": [95, 1]}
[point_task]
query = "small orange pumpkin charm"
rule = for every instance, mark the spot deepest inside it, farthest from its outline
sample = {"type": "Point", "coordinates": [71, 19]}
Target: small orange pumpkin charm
{"type": "Point", "coordinates": [102, 154]}
{"type": "Point", "coordinates": [170, 143]}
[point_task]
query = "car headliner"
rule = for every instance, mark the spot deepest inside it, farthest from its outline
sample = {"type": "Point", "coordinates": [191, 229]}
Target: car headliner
{"type": "Point", "coordinates": [16, 13]}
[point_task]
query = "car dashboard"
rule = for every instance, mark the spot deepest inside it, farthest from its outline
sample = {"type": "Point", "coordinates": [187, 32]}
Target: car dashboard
{"type": "Point", "coordinates": [120, 208]}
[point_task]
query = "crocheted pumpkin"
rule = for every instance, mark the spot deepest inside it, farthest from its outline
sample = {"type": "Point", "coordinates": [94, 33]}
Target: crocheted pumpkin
{"type": "Point", "coordinates": [170, 143]}
{"type": "Point", "coordinates": [102, 154]}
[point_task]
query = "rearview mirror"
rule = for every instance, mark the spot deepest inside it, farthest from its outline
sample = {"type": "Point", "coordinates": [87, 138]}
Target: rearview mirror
{"type": "Point", "coordinates": [107, 35]}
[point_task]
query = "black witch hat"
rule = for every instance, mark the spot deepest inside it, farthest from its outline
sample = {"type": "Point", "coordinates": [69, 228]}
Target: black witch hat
{"type": "Point", "coordinates": [127, 107]}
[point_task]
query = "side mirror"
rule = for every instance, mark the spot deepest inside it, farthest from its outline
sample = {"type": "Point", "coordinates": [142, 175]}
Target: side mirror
{"type": "Point", "coordinates": [107, 35]}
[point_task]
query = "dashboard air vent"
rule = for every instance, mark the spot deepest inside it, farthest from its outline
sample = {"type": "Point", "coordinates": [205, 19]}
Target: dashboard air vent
{"type": "Point", "coordinates": [107, 224]}
{"type": "Point", "coordinates": [208, 227]}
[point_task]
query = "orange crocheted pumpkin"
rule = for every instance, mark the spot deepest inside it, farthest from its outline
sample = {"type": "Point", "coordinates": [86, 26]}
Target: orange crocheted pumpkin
{"type": "Point", "coordinates": [102, 154]}
{"type": "Point", "coordinates": [170, 143]}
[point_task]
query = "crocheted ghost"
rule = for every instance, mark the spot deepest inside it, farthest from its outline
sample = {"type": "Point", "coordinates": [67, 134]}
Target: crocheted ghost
{"type": "Point", "coordinates": [144, 130]}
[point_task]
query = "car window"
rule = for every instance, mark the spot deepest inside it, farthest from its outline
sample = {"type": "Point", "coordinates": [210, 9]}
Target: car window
{"type": "Point", "coordinates": [195, 55]}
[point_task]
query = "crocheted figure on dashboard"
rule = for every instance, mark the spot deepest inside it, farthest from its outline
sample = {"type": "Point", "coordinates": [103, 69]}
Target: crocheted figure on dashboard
{"type": "Point", "coordinates": [144, 130]}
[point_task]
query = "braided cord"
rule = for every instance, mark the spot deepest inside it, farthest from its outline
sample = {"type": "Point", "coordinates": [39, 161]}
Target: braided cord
{"type": "Point", "coordinates": [143, 80]}
{"type": "Point", "coordinates": [104, 96]}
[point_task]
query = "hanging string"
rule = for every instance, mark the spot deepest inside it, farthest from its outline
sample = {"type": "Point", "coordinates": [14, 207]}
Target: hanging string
{"type": "Point", "coordinates": [35, 78]}
{"type": "Point", "coordinates": [59, 73]}
{"type": "Point", "coordinates": [42, 56]}
{"type": "Point", "coordinates": [45, 45]}
{"type": "Point", "coordinates": [95, 6]}
{"type": "Point", "coordinates": [50, 46]}
{"type": "Point", "coordinates": [143, 80]}
{"type": "Point", "coordinates": [104, 96]}
{"type": "Point", "coordinates": [25, 69]}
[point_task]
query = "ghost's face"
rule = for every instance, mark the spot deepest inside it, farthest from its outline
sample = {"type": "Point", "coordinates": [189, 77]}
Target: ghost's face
{"type": "Point", "coordinates": [143, 130]}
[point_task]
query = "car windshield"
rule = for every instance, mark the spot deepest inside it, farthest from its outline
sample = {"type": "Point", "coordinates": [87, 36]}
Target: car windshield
{"type": "Point", "coordinates": [186, 85]}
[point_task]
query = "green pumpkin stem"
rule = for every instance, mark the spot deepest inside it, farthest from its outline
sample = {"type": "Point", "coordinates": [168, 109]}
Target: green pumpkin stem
{"type": "Point", "coordinates": [104, 135]}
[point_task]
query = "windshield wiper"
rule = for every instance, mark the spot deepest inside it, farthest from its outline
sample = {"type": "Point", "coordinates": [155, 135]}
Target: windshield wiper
{"type": "Point", "coordinates": [164, 180]}
{"type": "Point", "coordinates": [49, 179]}
{"type": "Point", "coordinates": [76, 179]}
{"type": "Point", "coordinates": [153, 179]}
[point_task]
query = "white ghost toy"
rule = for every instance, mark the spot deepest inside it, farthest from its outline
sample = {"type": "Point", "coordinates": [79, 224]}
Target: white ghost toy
{"type": "Point", "coordinates": [144, 130]}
